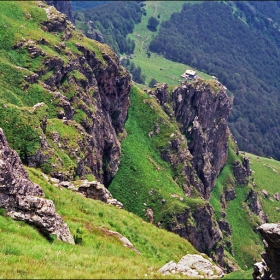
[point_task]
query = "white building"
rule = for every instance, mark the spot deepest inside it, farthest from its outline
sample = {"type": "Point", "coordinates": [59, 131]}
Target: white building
{"type": "Point", "coordinates": [190, 74]}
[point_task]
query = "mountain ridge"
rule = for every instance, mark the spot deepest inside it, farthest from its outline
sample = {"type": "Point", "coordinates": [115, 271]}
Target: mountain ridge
{"type": "Point", "coordinates": [157, 151]}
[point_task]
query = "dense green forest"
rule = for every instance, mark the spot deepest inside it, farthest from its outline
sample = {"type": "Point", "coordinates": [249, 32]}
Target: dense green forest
{"type": "Point", "coordinates": [82, 5]}
{"type": "Point", "coordinates": [114, 20]}
{"type": "Point", "coordinates": [238, 43]}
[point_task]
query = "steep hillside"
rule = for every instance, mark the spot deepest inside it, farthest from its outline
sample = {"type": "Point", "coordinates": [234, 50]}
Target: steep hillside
{"type": "Point", "coordinates": [256, 199]}
{"type": "Point", "coordinates": [169, 167]}
{"type": "Point", "coordinates": [64, 99]}
{"type": "Point", "coordinates": [98, 253]}
{"type": "Point", "coordinates": [166, 154]}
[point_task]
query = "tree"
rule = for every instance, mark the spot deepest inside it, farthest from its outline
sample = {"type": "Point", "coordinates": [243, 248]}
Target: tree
{"type": "Point", "coordinates": [152, 24]}
{"type": "Point", "coordinates": [152, 82]}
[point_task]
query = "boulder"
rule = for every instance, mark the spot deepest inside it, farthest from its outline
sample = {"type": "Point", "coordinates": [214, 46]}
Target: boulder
{"type": "Point", "coordinates": [24, 200]}
{"type": "Point", "coordinates": [125, 241]}
{"type": "Point", "coordinates": [193, 266]}
{"type": "Point", "coordinates": [98, 191]}
{"type": "Point", "coordinates": [269, 267]}
{"type": "Point", "coordinates": [240, 173]}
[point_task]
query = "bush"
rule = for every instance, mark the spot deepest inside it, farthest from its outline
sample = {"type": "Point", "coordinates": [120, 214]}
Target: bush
{"type": "Point", "coordinates": [152, 82]}
{"type": "Point", "coordinates": [152, 24]}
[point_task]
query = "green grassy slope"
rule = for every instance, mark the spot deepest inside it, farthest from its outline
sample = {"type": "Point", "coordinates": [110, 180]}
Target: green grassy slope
{"type": "Point", "coordinates": [156, 66]}
{"type": "Point", "coordinates": [26, 254]}
{"type": "Point", "coordinates": [144, 179]}
{"type": "Point", "coordinates": [266, 174]}
{"type": "Point", "coordinates": [246, 243]}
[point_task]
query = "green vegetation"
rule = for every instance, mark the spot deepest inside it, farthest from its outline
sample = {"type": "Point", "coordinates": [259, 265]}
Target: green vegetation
{"type": "Point", "coordinates": [144, 180]}
{"type": "Point", "coordinates": [237, 42]}
{"type": "Point", "coordinates": [114, 20]}
{"type": "Point", "coordinates": [153, 23]}
{"type": "Point", "coordinates": [25, 253]}
{"type": "Point", "coordinates": [247, 274]}
{"type": "Point", "coordinates": [23, 125]}
{"type": "Point", "coordinates": [266, 174]}
{"type": "Point", "coordinates": [154, 65]}
{"type": "Point", "coordinates": [246, 244]}
{"type": "Point", "coordinates": [242, 221]}
{"type": "Point", "coordinates": [81, 5]}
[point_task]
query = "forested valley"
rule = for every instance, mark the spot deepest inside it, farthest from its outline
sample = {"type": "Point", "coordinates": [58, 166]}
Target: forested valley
{"type": "Point", "coordinates": [235, 41]}
{"type": "Point", "coordinates": [114, 20]}
{"type": "Point", "coordinates": [241, 48]}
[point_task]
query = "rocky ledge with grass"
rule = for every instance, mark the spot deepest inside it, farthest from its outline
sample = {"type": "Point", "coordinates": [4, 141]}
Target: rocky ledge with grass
{"type": "Point", "coordinates": [86, 92]}
{"type": "Point", "coordinates": [24, 200]}
{"type": "Point", "coordinates": [201, 108]}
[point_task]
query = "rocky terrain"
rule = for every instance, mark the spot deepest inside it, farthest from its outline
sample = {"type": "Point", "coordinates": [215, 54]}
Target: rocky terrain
{"type": "Point", "coordinates": [24, 200]}
{"type": "Point", "coordinates": [202, 111]}
{"type": "Point", "coordinates": [268, 268]}
{"type": "Point", "coordinates": [70, 111]}
{"type": "Point", "coordinates": [90, 95]}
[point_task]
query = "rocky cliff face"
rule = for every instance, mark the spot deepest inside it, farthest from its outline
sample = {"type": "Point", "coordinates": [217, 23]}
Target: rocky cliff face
{"type": "Point", "coordinates": [199, 227]}
{"type": "Point", "coordinates": [269, 267]}
{"type": "Point", "coordinates": [90, 93]}
{"type": "Point", "coordinates": [202, 110]}
{"type": "Point", "coordinates": [24, 200]}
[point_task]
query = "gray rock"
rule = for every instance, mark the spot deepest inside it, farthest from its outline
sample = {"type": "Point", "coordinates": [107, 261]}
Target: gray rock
{"type": "Point", "coordinates": [56, 21]}
{"type": "Point", "coordinates": [240, 173]}
{"type": "Point", "coordinates": [277, 196]}
{"type": "Point", "coordinates": [264, 193]}
{"type": "Point", "coordinates": [193, 266]}
{"type": "Point", "coordinates": [202, 115]}
{"type": "Point", "coordinates": [167, 268]}
{"type": "Point", "coordinates": [24, 200]}
{"type": "Point", "coordinates": [62, 6]}
{"type": "Point", "coordinates": [96, 190]}
{"type": "Point", "coordinates": [271, 257]}
{"type": "Point", "coordinates": [122, 238]}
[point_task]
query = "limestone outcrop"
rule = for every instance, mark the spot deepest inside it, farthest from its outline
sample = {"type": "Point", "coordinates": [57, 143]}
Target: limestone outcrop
{"type": "Point", "coordinates": [96, 190]}
{"type": "Point", "coordinates": [202, 110]}
{"type": "Point", "coordinates": [269, 267]}
{"type": "Point", "coordinates": [242, 171]}
{"type": "Point", "coordinates": [90, 93]}
{"type": "Point", "coordinates": [198, 227]}
{"type": "Point", "coordinates": [24, 200]}
{"type": "Point", "coordinates": [194, 266]}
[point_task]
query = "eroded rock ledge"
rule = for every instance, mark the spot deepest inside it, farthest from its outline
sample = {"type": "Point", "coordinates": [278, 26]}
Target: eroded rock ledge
{"type": "Point", "coordinates": [24, 200]}
{"type": "Point", "coordinates": [202, 110]}
{"type": "Point", "coordinates": [269, 267]}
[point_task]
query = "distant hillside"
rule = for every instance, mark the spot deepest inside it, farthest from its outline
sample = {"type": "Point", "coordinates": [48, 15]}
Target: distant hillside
{"type": "Point", "coordinates": [81, 5]}
{"type": "Point", "coordinates": [114, 21]}
{"type": "Point", "coordinates": [239, 44]}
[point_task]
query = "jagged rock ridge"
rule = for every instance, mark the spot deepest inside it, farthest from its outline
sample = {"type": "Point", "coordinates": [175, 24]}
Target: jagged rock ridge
{"type": "Point", "coordinates": [96, 109]}
{"type": "Point", "coordinates": [202, 110]}
{"type": "Point", "coordinates": [24, 200]}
